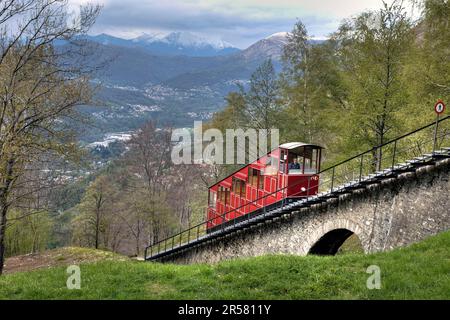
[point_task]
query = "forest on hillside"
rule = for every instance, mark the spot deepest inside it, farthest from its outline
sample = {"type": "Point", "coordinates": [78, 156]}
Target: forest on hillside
{"type": "Point", "coordinates": [375, 78]}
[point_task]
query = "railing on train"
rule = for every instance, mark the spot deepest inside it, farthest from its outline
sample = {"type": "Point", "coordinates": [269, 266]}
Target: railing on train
{"type": "Point", "coordinates": [381, 157]}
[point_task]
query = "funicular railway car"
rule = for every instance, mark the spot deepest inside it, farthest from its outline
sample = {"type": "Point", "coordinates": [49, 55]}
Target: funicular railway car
{"type": "Point", "coordinates": [288, 172]}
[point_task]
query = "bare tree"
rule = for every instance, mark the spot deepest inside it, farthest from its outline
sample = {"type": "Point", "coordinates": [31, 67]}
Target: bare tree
{"type": "Point", "coordinates": [149, 161]}
{"type": "Point", "coordinates": [40, 85]}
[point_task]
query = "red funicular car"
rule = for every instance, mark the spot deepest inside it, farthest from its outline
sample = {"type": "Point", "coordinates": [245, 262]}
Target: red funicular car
{"type": "Point", "coordinates": [288, 172]}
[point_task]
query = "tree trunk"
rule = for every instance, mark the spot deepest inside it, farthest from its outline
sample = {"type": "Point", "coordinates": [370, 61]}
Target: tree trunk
{"type": "Point", "coordinates": [2, 230]}
{"type": "Point", "coordinates": [4, 191]}
{"type": "Point", "coordinates": [97, 230]}
{"type": "Point", "coordinates": [98, 208]}
{"type": "Point", "coordinates": [138, 237]}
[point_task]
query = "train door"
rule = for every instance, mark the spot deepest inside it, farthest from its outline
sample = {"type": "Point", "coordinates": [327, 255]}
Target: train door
{"type": "Point", "coordinates": [261, 193]}
{"type": "Point", "coordinates": [270, 178]}
{"type": "Point", "coordinates": [212, 209]}
{"type": "Point", "coordinates": [252, 188]}
{"type": "Point", "coordinates": [227, 205]}
{"type": "Point", "coordinates": [282, 172]}
{"type": "Point", "coordinates": [238, 193]}
{"type": "Point", "coordinates": [223, 203]}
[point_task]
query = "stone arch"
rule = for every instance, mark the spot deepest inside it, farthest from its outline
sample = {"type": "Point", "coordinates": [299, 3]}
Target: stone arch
{"type": "Point", "coordinates": [328, 238]}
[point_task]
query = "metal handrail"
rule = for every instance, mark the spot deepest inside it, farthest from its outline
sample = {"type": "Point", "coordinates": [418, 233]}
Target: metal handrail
{"type": "Point", "coordinates": [263, 198]}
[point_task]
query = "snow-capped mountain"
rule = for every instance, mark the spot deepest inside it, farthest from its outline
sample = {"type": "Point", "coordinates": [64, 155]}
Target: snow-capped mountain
{"type": "Point", "coordinates": [183, 39]}
{"type": "Point", "coordinates": [174, 43]}
{"type": "Point", "coordinates": [270, 47]}
{"type": "Point", "coordinates": [106, 39]}
{"type": "Point", "coordinates": [184, 43]}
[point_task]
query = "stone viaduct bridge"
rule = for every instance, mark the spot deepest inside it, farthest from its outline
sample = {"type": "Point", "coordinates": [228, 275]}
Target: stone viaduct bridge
{"type": "Point", "coordinates": [392, 208]}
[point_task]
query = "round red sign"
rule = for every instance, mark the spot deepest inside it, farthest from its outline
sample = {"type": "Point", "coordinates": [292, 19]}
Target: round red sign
{"type": "Point", "coordinates": [439, 107]}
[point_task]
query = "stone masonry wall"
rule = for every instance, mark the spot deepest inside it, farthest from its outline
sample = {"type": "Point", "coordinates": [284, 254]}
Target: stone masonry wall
{"type": "Point", "coordinates": [395, 213]}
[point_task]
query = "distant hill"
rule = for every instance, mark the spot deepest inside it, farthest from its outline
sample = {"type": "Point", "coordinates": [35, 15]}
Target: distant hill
{"type": "Point", "coordinates": [141, 83]}
{"type": "Point", "coordinates": [174, 44]}
{"type": "Point", "coordinates": [270, 47]}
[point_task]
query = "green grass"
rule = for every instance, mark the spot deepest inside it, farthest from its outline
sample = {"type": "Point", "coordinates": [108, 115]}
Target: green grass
{"type": "Point", "coordinates": [421, 271]}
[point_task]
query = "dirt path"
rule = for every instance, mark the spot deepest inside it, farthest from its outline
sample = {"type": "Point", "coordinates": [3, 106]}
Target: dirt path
{"type": "Point", "coordinates": [58, 257]}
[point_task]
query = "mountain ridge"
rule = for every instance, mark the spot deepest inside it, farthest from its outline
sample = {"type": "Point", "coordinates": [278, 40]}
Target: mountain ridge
{"type": "Point", "coordinates": [138, 84]}
{"type": "Point", "coordinates": [173, 43]}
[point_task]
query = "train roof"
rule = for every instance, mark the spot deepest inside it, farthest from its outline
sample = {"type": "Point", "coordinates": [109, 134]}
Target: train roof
{"type": "Point", "coordinates": [287, 146]}
{"type": "Point", "coordinates": [295, 145]}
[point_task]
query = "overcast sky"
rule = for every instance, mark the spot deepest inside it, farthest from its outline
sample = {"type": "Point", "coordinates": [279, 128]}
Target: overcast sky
{"type": "Point", "coordinates": [240, 22]}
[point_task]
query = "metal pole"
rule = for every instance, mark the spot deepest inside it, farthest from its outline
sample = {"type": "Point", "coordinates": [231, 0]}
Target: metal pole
{"type": "Point", "coordinates": [189, 235]}
{"type": "Point", "coordinates": [332, 179]}
{"type": "Point", "coordinates": [394, 154]}
{"type": "Point", "coordinates": [264, 205]}
{"type": "Point", "coordinates": [361, 168]}
{"type": "Point", "coordinates": [435, 134]}
{"type": "Point", "coordinates": [224, 216]}
{"type": "Point", "coordinates": [309, 187]}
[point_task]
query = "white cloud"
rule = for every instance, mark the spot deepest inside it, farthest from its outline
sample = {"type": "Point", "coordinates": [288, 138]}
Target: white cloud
{"type": "Point", "coordinates": [239, 22]}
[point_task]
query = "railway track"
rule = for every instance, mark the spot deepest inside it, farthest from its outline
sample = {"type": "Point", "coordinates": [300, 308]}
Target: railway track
{"type": "Point", "coordinates": [283, 207]}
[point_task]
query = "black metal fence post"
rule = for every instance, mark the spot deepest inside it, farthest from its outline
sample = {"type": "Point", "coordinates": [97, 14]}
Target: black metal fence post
{"type": "Point", "coordinates": [361, 165]}
{"type": "Point", "coordinates": [224, 219]}
{"type": "Point", "coordinates": [264, 205]}
{"type": "Point", "coordinates": [435, 134]}
{"type": "Point", "coordinates": [332, 179]}
{"type": "Point", "coordinates": [189, 235]}
{"type": "Point", "coordinates": [394, 154]}
{"type": "Point", "coordinates": [309, 187]}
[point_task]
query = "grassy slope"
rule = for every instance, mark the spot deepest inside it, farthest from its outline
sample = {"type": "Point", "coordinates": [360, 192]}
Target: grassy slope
{"type": "Point", "coordinates": [58, 257]}
{"type": "Point", "coordinates": [421, 271]}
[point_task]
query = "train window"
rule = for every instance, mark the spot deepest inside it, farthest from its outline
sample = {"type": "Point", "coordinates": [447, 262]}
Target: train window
{"type": "Point", "coordinates": [227, 196]}
{"type": "Point", "coordinates": [296, 164]}
{"type": "Point", "coordinates": [308, 160]}
{"type": "Point", "coordinates": [271, 166]}
{"type": "Point", "coordinates": [244, 190]}
{"type": "Point", "coordinates": [283, 159]}
{"type": "Point", "coordinates": [235, 188]}
{"type": "Point", "coordinates": [253, 177]}
{"type": "Point", "coordinates": [238, 187]}
{"type": "Point", "coordinates": [307, 165]}
{"type": "Point", "coordinates": [212, 199]}
{"type": "Point", "coordinates": [312, 161]}
{"type": "Point", "coordinates": [275, 162]}
{"type": "Point", "coordinates": [261, 181]}
{"type": "Point", "coordinates": [223, 195]}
